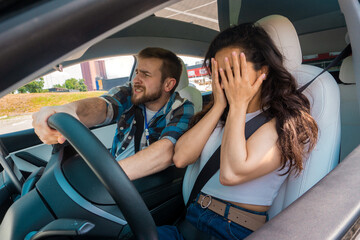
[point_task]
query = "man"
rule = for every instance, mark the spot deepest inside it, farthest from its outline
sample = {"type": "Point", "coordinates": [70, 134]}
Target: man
{"type": "Point", "coordinates": [166, 114]}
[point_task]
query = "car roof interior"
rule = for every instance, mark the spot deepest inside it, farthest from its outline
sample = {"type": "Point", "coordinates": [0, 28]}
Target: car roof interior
{"type": "Point", "coordinates": [314, 23]}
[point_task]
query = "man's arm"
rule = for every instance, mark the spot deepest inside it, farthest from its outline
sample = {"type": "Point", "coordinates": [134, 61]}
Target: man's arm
{"type": "Point", "coordinates": [90, 112]}
{"type": "Point", "coordinates": [152, 159]}
{"type": "Point", "coordinates": [159, 155]}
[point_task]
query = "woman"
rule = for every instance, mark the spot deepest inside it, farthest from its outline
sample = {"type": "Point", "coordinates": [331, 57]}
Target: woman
{"type": "Point", "coordinates": [248, 77]}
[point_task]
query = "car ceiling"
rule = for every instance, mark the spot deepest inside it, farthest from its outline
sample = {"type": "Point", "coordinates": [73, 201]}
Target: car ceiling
{"type": "Point", "coordinates": [197, 22]}
{"type": "Point", "coordinates": [188, 26]}
{"type": "Point", "coordinates": [307, 15]}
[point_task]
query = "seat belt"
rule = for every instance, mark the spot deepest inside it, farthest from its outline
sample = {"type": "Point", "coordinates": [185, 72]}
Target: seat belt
{"type": "Point", "coordinates": [139, 123]}
{"type": "Point", "coordinates": [213, 164]}
{"type": "Point", "coordinates": [344, 53]}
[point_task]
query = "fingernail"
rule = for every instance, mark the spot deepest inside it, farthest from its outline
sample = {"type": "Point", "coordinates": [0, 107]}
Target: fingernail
{"type": "Point", "coordinates": [226, 59]}
{"type": "Point", "coordinates": [263, 75]}
{"type": "Point", "coordinates": [220, 69]}
{"type": "Point", "coordinates": [242, 54]}
{"type": "Point", "coordinates": [234, 53]}
{"type": "Point", "coordinates": [61, 140]}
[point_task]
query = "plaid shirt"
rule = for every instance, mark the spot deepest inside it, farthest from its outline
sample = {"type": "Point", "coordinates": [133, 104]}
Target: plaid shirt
{"type": "Point", "coordinates": [170, 122]}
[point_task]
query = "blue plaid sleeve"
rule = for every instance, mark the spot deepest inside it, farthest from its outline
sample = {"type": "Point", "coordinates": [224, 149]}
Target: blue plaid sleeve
{"type": "Point", "coordinates": [118, 99]}
{"type": "Point", "coordinates": [179, 122]}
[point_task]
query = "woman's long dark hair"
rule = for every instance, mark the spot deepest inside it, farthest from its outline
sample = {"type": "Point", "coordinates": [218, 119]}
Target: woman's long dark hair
{"type": "Point", "coordinates": [296, 128]}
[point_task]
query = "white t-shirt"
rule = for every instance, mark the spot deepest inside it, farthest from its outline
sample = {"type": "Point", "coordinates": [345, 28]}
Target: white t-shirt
{"type": "Point", "coordinates": [260, 191]}
{"type": "Point", "coordinates": [130, 150]}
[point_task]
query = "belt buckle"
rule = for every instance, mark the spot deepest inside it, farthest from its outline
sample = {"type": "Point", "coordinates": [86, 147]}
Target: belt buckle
{"type": "Point", "coordinates": [202, 201]}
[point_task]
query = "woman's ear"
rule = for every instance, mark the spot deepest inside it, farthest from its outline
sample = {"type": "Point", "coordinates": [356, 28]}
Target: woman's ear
{"type": "Point", "coordinates": [169, 84]}
{"type": "Point", "coordinates": [264, 70]}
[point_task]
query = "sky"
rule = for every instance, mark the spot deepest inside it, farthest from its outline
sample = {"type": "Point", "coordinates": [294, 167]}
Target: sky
{"type": "Point", "coordinates": [116, 67]}
{"type": "Point", "coordinates": [60, 77]}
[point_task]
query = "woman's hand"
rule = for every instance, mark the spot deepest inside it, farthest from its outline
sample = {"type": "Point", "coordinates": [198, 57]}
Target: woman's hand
{"type": "Point", "coordinates": [239, 86]}
{"type": "Point", "coordinates": [217, 89]}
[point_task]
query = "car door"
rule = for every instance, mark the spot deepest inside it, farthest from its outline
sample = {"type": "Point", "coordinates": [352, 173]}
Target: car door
{"type": "Point", "coordinates": [161, 192]}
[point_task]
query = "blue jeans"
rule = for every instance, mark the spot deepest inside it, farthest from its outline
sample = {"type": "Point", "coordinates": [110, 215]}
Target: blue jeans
{"type": "Point", "coordinates": [168, 232]}
{"type": "Point", "coordinates": [207, 221]}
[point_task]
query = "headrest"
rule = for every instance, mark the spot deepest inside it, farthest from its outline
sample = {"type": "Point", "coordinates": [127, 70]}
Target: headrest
{"type": "Point", "coordinates": [347, 74]}
{"type": "Point", "coordinates": [284, 35]}
{"type": "Point", "coordinates": [184, 80]}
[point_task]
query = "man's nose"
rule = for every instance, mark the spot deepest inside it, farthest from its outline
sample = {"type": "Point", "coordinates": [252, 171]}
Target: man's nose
{"type": "Point", "coordinates": [136, 79]}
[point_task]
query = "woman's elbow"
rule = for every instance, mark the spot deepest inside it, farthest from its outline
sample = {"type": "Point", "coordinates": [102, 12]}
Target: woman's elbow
{"type": "Point", "coordinates": [231, 179]}
{"type": "Point", "coordinates": [179, 161]}
{"type": "Point", "coordinates": [226, 181]}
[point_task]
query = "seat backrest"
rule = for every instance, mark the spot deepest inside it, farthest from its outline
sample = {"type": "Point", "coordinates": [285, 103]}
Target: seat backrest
{"type": "Point", "coordinates": [323, 95]}
{"type": "Point", "coordinates": [189, 92]}
{"type": "Point", "coordinates": [349, 108]}
{"type": "Point", "coordinates": [183, 88]}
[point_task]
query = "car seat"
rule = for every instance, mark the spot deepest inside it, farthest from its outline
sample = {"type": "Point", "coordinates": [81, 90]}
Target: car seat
{"type": "Point", "coordinates": [349, 107]}
{"type": "Point", "coordinates": [189, 92]}
{"type": "Point", "coordinates": [324, 97]}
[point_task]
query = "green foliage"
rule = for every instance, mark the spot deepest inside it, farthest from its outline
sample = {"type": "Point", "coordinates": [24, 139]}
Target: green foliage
{"type": "Point", "coordinates": [35, 86]}
{"type": "Point", "coordinates": [83, 87]}
{"type": "Point", "coordinates": [72, 83]}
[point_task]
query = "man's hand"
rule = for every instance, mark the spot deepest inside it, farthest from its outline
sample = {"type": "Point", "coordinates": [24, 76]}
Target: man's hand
{"type": "Point", "coordinates": [46, 134]}
{"type": "Point", "coordinates": [89, 111]}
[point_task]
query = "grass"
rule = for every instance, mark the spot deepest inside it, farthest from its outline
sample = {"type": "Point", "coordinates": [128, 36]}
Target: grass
{"type": "Point", "coordinates": [27, 103]}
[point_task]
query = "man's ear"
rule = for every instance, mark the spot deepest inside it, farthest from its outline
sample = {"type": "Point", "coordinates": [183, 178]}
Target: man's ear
{"type": "Point", "coordinates": [169, 84]}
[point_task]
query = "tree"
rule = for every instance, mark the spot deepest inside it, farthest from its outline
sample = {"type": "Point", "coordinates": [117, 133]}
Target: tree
{"type": "Point", "coordinates": [72, 83]}
{"type": "Point", "coordinates": [58, 86]}
{"type": "Point", "coordinates": [35, 86]}
{"type": "Point", "coordinates": [83, 87]}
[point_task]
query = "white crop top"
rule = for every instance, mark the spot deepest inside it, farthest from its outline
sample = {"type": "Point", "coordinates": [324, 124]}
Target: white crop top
{"type": "Point", "coordinates": [260, 191]}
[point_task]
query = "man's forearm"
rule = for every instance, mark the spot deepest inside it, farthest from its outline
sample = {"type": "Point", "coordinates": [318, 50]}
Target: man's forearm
{"type": "Point", "coordinates": [153, 159]}
{"type": "Point", "coordinates": [91, 111]}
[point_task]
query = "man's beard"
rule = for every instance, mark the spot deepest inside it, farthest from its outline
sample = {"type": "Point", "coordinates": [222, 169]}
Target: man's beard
{"type": "Point", "coordinates": [146, 97]}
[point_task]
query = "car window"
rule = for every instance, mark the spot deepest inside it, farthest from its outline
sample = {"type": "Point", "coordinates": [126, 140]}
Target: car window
{"type": "Point", "coordinates": [197, 74]}
{"type": "Point", "coordinates": [322, 60]}
{"type": "Point", "coordinates": [87, 79]}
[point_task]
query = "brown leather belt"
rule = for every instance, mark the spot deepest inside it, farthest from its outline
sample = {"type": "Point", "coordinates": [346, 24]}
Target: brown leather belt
{"type": "Point", "coordinates": [249, 220]}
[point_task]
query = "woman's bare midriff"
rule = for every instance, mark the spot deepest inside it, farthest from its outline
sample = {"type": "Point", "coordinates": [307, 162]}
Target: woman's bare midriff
{"type": "Point", "coordinates": [257, 208]}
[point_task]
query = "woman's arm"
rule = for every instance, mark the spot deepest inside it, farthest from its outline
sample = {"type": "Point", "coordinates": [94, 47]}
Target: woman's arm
{"type": "Point", "coordinates": [242, 160]}
{"type": "Point", "coordinates": [190, 145]}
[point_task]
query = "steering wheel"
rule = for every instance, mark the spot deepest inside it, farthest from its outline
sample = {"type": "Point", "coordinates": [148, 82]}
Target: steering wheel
{"type": "Point", "coordinates": [109, 172]}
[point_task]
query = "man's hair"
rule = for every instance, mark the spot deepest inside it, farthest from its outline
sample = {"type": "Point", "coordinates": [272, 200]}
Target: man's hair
{"type": "Point", "coordinates": [171, 65]}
